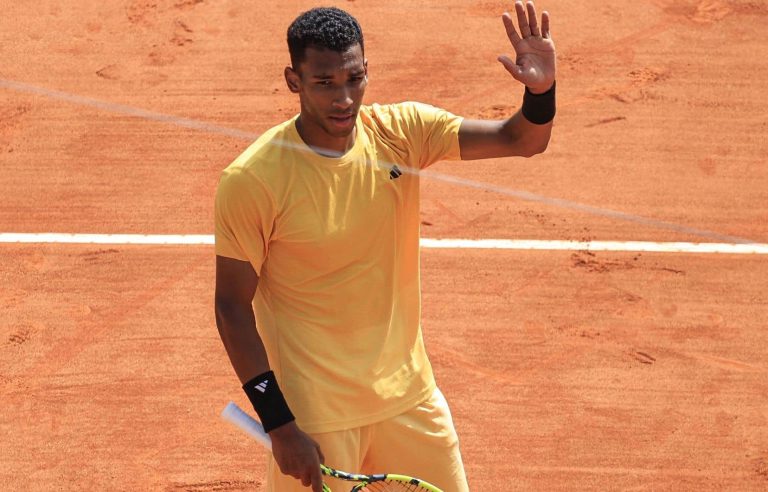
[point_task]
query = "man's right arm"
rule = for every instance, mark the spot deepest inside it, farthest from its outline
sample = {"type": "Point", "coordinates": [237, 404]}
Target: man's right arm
{"type": "Point", "coordinates": [295, 452]}
{"type": "Point", "coordinates": [236, 284]}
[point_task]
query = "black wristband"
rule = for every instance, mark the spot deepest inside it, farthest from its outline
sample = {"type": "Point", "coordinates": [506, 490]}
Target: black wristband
{"type": "Point", "coordinates": [268, 401]}
{"type": "Point", "coordinates": [539, 108]}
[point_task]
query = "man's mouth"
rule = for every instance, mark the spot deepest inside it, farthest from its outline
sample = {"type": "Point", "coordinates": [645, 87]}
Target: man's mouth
{"type": "Point", "coordinates": [342, 120]}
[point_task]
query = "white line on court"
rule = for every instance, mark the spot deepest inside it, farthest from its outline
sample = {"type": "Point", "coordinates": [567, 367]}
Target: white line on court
{"type": "Point", "coordinates": [516, 244]}
{"type": "Point", "coordinates": [429, 174]}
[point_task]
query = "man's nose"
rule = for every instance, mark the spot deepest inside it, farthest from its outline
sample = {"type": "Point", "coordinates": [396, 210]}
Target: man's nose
{"type": "Point", "coordinates": [343, 98]}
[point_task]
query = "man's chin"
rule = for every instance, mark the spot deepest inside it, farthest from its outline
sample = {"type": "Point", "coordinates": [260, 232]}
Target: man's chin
{"type": "Point", "coordinates": [336, 132]}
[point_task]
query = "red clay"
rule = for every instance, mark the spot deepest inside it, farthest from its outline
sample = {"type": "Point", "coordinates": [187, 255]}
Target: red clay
{"type": "Point", "coordinates": [564, 370]}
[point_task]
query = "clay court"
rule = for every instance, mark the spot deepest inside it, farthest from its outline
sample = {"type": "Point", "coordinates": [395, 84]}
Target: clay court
{"type": "Point", "coordinates": [573, 369]}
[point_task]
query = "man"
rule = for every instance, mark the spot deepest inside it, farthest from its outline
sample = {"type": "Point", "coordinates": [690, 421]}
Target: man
{"type": "Point", "coordinates": [317, 232]}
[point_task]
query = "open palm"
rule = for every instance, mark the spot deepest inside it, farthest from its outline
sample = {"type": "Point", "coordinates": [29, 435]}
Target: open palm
{"type": "Point", "coordinates": [534, 64]}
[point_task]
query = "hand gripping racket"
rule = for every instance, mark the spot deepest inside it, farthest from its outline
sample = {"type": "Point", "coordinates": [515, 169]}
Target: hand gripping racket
{"type": "Point", "coordinates": [365, 483]}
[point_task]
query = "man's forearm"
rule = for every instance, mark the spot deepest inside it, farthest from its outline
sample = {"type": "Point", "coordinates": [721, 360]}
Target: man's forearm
{"type": "Point", "coordinates": [533, 123]}
{"type": "Point", "coordinates": [529, 138]}
{"type": "Point", "coordinates": [483, 139]}
{"type": "Point", "coordinates": [237, 328]}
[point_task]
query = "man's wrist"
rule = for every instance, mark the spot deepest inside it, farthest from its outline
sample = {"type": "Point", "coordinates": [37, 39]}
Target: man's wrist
{"type": "Point", "coordinates": [539, 109]}
{"type": "Point", "coordinates": [537, 91]}
{"type": "Point", "coordinates": [285, 430]}
{"type": "Point", "coordinates": [268, 401]}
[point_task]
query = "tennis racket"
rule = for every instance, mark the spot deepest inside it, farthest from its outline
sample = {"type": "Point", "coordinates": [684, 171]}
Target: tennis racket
{"type": "Point", "coordinates": [364, 483]}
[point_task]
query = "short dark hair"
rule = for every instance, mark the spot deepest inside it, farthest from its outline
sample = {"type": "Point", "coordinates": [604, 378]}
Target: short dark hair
{"type": "Point", "coordinates": [323, 27]}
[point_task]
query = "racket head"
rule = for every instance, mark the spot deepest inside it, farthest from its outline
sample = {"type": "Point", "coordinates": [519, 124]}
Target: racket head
{"type": "Point", "coordinates": [381, 483]}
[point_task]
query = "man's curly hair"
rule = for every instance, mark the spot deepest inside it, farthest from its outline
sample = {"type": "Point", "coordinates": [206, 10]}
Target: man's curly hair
{"type": "Point", "coordinates": [323, 27]}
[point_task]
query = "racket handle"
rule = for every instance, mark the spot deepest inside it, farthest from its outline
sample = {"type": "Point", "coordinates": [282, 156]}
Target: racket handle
{"type": "Point", "coordinates": [235, 415]}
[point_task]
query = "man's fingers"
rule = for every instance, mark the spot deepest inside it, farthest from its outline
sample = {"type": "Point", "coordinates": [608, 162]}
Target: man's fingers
{"type": "Point", "coordinates": [545, 25]}
{"type": "Point", "coordinates": [509, 25]}
{"type": "Point", "coordinates": [522, 20]}
{"type": "Point", "coordinates": [306, 480]}
{"type": "Point", "coordinates": [317, 480]}
{"type": "Point", "coordinates": [511, 66]}
{"type": "Point", "coordinates": [532, 22]}
{"type": "Point", "coordinates": [320, 453]}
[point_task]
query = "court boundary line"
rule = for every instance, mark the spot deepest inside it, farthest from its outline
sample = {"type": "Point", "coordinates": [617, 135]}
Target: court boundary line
{"type": "Point", "coordinates": [426, 243]}
{"type": "Point", "coordinates": [430, 174]}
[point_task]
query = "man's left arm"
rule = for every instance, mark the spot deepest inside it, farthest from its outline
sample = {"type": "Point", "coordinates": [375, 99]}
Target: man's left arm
{"type": "Point", "coordinates": [527, 132]}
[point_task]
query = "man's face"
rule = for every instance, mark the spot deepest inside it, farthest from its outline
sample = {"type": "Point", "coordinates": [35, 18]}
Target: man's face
{"type": "Point", "coordinates": [331, 86]}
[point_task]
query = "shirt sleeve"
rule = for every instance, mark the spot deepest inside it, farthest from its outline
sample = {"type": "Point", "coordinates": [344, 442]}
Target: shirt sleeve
{"type": "Point", "coordinates": [244, 216]}
{"type": "Point", "coordinates": [435, 133]}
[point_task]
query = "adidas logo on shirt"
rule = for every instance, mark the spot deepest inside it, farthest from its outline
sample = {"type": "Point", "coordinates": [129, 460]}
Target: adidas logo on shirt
{"type": "Point", "coordinates": [395, 172]}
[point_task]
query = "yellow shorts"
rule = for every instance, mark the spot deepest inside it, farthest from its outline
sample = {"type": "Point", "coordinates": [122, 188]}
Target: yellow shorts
{"type": "Point", "coordinates": [421, 442]}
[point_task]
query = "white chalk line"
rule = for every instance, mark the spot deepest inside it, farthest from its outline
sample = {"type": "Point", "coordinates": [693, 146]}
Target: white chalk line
{"type": "Point", "coordinates": [232, 132]}
{"type": "Point", "coordinates": [509, 244]}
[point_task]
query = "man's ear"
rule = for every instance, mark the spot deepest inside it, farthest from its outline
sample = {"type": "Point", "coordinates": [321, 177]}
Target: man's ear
{"type": "Point", "coordinates": [292, 79]}
{"type": "Point", "coordinates": [365, 65]}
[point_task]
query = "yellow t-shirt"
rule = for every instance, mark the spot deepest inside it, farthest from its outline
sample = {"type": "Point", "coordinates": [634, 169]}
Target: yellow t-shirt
{"type": "Point", "coordinates": [335, 242]}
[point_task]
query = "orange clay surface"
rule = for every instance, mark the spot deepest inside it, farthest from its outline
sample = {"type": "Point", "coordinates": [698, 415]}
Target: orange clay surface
{"type": "Point", "coordinates": [564, 370]}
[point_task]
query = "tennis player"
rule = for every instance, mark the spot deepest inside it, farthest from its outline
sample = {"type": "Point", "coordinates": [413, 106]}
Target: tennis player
{"type": "Point", "coordinates": [317, 257]}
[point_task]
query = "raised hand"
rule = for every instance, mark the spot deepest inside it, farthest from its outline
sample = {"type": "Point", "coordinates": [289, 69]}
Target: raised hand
{"type": "Point", "coordinates": [534, 63]}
